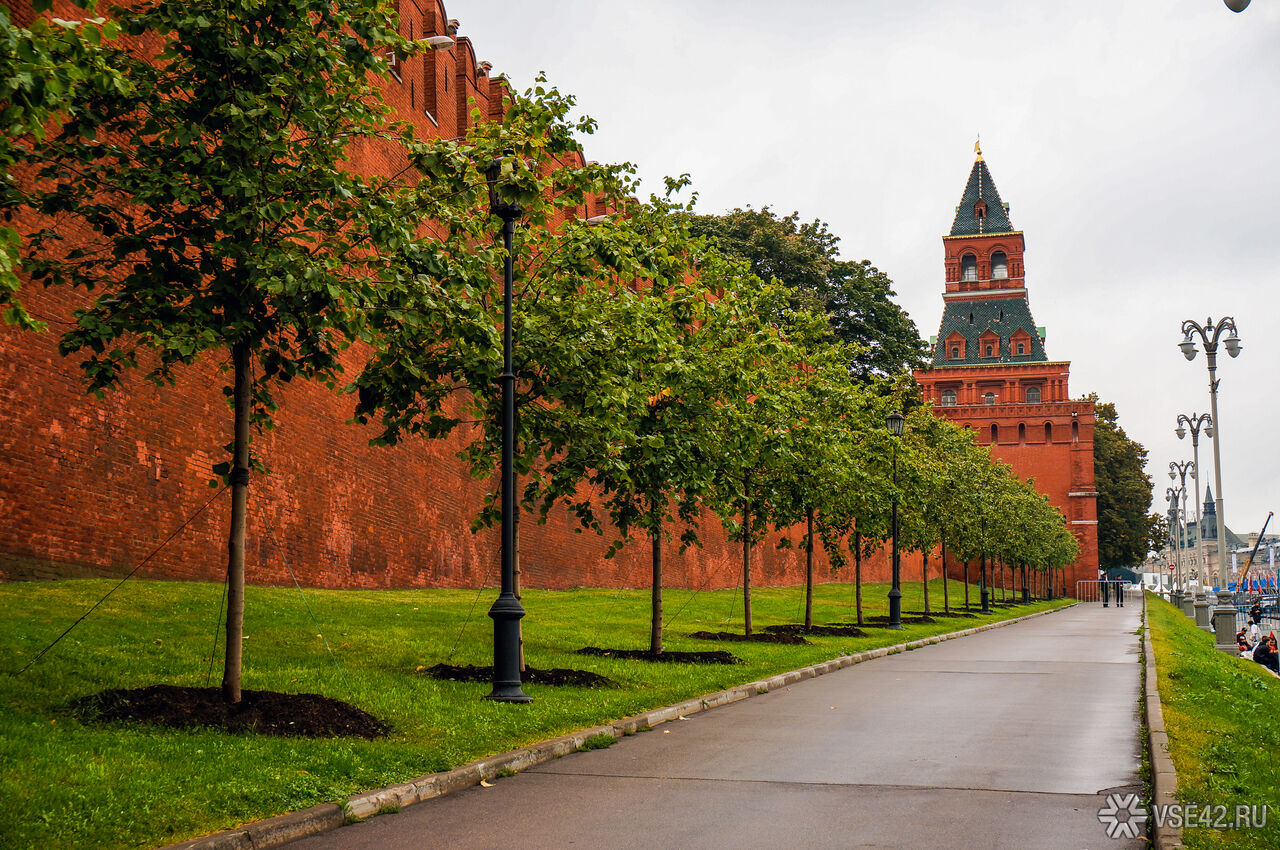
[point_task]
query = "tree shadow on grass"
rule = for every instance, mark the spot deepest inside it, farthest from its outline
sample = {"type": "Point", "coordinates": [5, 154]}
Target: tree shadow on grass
{"type": "Point", "coordinates": [556, 676]}
{"type": "Point", "coordinates": [718, 656]}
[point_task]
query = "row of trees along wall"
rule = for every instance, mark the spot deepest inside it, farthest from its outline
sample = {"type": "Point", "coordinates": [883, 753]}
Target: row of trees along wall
{"type": "Point", "coordinates": [90, 484]}
{"type": "Point", "coordinates": [93, 483]}
{"type": "Point", "coordinates": [225, 204]}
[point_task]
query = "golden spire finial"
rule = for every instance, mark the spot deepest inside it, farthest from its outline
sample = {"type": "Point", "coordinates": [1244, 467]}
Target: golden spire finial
{"type": "Point", "coordinates": [977, 148]}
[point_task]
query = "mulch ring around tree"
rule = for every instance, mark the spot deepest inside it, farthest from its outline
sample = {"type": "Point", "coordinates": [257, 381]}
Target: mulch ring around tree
{"type": "Point", "coordinates": [821, 631]}
{"type": "Point", "coordinates": [716, 656]}
{"type": "Point", "coordinates": [263, 712]}
{"type": "Point", "coordinates": [767, 636]}
{"type": "Point", "coordinates": [530, 676]}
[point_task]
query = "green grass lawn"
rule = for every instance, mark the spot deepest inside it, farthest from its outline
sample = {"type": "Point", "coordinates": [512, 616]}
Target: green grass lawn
{"type": "Point", "coordinates": [68, 784]}
{"type": "Point", "coordinates": [1223, 718]}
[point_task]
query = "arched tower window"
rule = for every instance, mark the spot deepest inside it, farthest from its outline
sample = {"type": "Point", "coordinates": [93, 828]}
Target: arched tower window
{"type": "Point", "coordinates": [999, 265]}
{"type": "Point", "coordinates": [989, 398]}
{"type": "Point", "coordinates": [1022, 433]}
{"type": "Point", "coordinates": [1033, 395]}
{"type": "Point", "coordinates": [948, 398]}
{"type": "Point", "coordinates": [995, 434]}
{"type": "Point", "coordinates": [989, 350]}
{"type": "Point", "coordinates": [968, 267]}
{"type": "Point", "coordinates": [1075, 432]}
{"type": "Point", "coordinates": [1048, 432]}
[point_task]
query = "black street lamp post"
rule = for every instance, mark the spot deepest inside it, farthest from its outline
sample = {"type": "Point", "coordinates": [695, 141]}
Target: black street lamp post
{"type": "Point", "coordinates": [507, 610]}
{"type": "Point", "coordinates": [895, 422]}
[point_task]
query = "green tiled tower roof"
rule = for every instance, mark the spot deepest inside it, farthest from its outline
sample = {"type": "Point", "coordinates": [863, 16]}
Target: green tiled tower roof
{"type": "Point", "coordinates": [981, 188]}
{"type": "Point", "coordinates": [1003, 316]}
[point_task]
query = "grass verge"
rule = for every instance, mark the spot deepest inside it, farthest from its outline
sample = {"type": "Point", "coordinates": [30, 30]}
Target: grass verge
{"type": "Point", "coordinates": [68, 784]}
{"type": "Point", "coordinates": [1221, 715]}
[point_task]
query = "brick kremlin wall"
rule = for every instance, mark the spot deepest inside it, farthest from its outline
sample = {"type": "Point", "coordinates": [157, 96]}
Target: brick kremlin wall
{"type": "Point", "coordinates": [91, 486]}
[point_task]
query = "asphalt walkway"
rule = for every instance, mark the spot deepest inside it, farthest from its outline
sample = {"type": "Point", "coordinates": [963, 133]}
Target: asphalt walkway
{"type": "Point", "coordinates": [1010, 738]}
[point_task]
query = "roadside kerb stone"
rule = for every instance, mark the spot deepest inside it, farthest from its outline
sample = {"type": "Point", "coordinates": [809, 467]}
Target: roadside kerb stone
{"type": "Point", "coordinates": [279, 830]}
{"type": "Point", "coordinates": [1164, 779]}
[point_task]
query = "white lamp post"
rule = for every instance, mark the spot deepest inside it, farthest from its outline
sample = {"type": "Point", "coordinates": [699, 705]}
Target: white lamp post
{"type": "Point", "coordinates": [1224, 615]}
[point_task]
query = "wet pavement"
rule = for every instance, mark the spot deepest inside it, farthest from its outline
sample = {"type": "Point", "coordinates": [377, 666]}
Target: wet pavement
{"type": "Point", "coordinates": [1011, 738]}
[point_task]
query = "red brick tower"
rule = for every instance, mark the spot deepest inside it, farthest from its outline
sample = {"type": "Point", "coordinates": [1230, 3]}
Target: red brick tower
{"type": "Point", "coordinates": [990, 372]}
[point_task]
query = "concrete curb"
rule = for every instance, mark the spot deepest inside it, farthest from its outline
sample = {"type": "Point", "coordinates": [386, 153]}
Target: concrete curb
{"type": "Point", "coordinates": [273, 832]}
{"type": "Point", "coordinates": [1164, 779]}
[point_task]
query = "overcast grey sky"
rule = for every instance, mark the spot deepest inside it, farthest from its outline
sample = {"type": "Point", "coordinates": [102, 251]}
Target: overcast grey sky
{"type": "Point", "coordinates": [1136, 141]}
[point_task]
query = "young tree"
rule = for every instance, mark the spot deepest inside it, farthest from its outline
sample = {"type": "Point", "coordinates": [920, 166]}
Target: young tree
{"type": "Point", "coordinates": [222, 217]}
{"type": "Point", "coordinates": [672, 450]}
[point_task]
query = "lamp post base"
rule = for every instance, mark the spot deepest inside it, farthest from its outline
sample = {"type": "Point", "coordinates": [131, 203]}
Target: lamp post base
{"type": "Point", "coordinates": [1224, 624]}
{"type": "Point", "coordinates": [895, 609]}
{"type": "Point", "coordinates": [506, 613]}
{"type": "Point", "coordinates": [1203, 615]}
{"type": "Point", "coordinates": [986, 600]}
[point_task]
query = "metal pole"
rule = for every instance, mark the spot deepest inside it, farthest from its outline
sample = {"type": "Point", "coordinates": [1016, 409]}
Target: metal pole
{"type": "Point", "coordinates": [986, 589]}
{"type": "Point", "coordinates": [507, 610]}
{"type": "Point", "coordinates": [895, 593]}
{"type": "Point", "coordinates": [1195, 459]}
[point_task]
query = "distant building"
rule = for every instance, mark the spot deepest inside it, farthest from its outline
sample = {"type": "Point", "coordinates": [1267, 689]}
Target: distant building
{"type": "Point", "coordinates": [1206, 530]}
{"type": "Point", "coordinates": [990, 372]}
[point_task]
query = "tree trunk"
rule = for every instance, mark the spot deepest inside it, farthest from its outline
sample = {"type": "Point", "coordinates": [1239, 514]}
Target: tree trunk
{"type": "Point", "coordinates": [746, 556]}
{"type": "Point", "coordinates": [966, 585]}
{"type": "Point", "coordinates": [239, 515]}
{"type": "Point", "coordinates": [946, 600]}
{"type": "Point", "coordinates": [924, 580]}
{"type": "Point", "coordinates": [857, 573]}
{"type": "Point", "coordinates": [655, 624]}
{"type": "Point", "coordinates": [808, 574]}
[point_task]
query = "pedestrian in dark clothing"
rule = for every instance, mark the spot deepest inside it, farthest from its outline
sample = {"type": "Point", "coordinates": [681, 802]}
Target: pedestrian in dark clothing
{"type": "Point", "coordinates": [1265, 654]}
{"type": "Point", "coordinates": [1255, 613]}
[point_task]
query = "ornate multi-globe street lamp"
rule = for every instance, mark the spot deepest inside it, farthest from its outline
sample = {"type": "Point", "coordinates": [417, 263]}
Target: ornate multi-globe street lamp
{"type": "Point", "coordinates": [507, 610]}
{"type": "Point", "coordinates": [1177, 498]}
{"type": "Point", "coordinates": [1194, 423]}
{"type": "Point", "coordinates": [1224, 615]}
{"type": "Point", "coordinates": [895, 421]}
{"type": "Point", "coordinates": [1195, 605]}
{"type": "Point", "coordinates": [1174, 593]}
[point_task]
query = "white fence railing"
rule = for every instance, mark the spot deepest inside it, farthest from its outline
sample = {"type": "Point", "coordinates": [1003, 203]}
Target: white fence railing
{"type": "Point", "coordinates": [1114, 592]}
